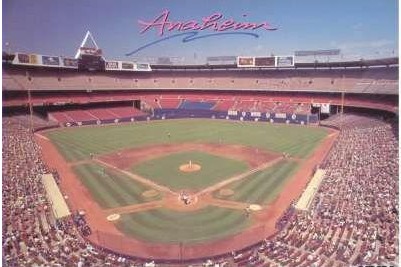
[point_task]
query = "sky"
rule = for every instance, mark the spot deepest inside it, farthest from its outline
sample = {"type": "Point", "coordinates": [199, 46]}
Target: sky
{"type": "Point", "coordinates": [359, 28]}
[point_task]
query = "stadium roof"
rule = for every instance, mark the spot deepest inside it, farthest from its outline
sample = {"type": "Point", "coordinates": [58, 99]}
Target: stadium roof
{"type": "Point", "coordinates": [340, 64]}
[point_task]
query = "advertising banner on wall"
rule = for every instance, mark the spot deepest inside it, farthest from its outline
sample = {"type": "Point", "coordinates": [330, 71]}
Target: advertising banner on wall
{"type": "Point", "coordinates": [245, 62]}
{"type": "Point", "coordinates": [287, 61]}
{"type": "Point", "coordinates": [70, 63]}
{"type": "Point", "coordinates": [50, 61]}
{"type": "Point", "coordinates": [265, 61]}
{"type": "Point", "coordinates": [112, 65]}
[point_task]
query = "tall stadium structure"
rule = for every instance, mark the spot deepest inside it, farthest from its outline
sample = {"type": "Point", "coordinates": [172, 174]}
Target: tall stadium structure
{"type": "Point", "coordinates": [260, 161]}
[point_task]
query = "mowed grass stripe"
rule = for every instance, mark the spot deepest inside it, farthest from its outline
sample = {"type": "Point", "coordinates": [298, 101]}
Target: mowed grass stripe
{"type": "Point", "coordinates": [111, 189]}
{"type": "Point", "coordinates": [296, 140]}
{"type": "Point", "coordinates": [263, 186]}
{"type": "Point", "coordinates": [187, 227]}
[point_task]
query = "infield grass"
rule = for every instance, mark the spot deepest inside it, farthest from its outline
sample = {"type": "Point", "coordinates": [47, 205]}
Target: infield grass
{"type": "Point", "coordinates": [263, 186]}
{"type": "Point", "coordinates": [165, 170]}
{"type": "Point", "coordinates": [109, 188]}
{"type": "Point", "coordinates": [168, 226]}
{"type": "Point", "coordinates": [77, 143]}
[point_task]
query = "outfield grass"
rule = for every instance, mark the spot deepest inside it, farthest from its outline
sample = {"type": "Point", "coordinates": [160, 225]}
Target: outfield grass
{"type": "Point", "coordinates": [261, 187]}
{"type": "Point", "coordinates": [167, 226]}
{"type": "Point", "coordinates": [77, 143]}
{"type": "Point", "coordinates": [109, 188]}
{"type": "Point", "coordinates": [165, 170]}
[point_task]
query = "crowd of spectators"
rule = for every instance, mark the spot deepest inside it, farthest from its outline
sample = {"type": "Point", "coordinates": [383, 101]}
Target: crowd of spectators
{"type": "Point", "coordinates": [353, 219]}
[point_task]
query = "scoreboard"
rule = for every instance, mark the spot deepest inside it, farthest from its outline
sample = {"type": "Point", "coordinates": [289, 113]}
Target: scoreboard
{"type": "Point", "coordinates": [265, 62]}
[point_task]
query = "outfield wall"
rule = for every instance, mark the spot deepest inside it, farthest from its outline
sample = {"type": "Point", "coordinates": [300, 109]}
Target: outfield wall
{"type": "Point", "coordinates": [162, 114]}
{"type": "Point", "coordinates": [237, 115]}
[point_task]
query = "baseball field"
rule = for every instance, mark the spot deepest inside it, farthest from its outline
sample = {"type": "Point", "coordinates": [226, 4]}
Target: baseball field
{"type": "Point", "coordinates": [185, 181]}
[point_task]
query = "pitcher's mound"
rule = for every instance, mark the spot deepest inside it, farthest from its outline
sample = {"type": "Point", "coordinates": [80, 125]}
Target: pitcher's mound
{"type": "Point", "coordinates": [190, 167]}
{"type": "Point", "coordinates": [150, 193]}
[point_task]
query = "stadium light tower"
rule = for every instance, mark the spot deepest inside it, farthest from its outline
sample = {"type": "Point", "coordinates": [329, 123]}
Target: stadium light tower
{"type": "Point", "coordinates": [89, 55]}
{"type": "Point", "coordinates": [84, 48]}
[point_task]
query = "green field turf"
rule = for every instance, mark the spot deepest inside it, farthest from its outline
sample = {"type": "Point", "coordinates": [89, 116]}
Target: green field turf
{"type": "Point", "coordinates": [77, 143]}
{"type": "Point", "coordinates": [167, 226]}
{"type": "Point", "coordinates": [165, 170]}
{"type": "Point", "coordinates": [109, 188]}
{"type": "Point", "coordinates": [261, 187]}
{"type": "Point", "coordinates": [162, 225]}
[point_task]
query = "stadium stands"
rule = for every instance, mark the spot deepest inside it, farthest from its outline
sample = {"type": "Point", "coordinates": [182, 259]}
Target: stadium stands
{"type": "Point", "coordinates": [93, 115]}
{"type": "Point", "coordinates": [378, 80]}
{"type": "Point", "coordinates": [353, 219]}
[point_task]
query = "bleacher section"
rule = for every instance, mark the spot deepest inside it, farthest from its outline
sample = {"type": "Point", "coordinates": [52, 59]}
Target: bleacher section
{"type": "Point", "coordinates": [99, 115]}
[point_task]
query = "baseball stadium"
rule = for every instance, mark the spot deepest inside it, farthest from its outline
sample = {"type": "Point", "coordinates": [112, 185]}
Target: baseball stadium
{"type": "Point", "coordinates": [240, 161]}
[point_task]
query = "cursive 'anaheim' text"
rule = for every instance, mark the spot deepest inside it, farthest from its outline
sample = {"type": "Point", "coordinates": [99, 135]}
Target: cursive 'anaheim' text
{"type": "Point", "coordinates": [214, 22]}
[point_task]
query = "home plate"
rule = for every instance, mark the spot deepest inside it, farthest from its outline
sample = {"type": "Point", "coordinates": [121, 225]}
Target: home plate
{"type": "Point", "coordinates": [255, 207]}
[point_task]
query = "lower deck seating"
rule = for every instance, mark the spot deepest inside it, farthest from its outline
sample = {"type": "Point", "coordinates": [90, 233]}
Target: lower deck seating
{"type": "Point", "coordinates": [95, 114]}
